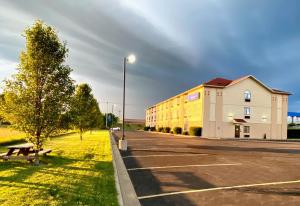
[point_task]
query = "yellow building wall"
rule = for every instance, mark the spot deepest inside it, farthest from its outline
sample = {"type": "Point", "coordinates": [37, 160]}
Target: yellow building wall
{"type": "Point", "coordinates": [179, 111]}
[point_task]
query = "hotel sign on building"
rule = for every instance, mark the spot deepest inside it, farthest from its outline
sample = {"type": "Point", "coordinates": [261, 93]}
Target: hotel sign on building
{"type": "Point", "coordinates": [194, 96]}
{"type": "Point", "coordinates": [240, 108]}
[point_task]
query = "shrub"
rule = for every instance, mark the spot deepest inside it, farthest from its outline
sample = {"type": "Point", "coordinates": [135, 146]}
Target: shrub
{"type": "Point", "coordinates": [167, 129]}
{"type": "Point", "coordinates": [185, 133]}
{"type": "Point", "coordinates": [177, 130]}
{"type": "Point", "coordinates": [293, 133]}
{"type": "Point", "coordinates": [195, 131]}
{"type": "Point", "coordinates": [160, 129]}
{"type": "Point", "coordinates": [152, 129]}
{"type": "Point", "coordinates": [146, 128]}
{"type": "Point", "coordinates": [291, 124]}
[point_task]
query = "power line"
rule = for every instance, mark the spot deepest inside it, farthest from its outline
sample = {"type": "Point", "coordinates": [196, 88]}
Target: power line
{"type": "Point", "coordinates": [117, 103]}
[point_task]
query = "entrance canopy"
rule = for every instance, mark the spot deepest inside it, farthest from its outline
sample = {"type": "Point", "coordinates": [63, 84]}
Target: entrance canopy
{"type": "Point", "coordinates": [239, 121]}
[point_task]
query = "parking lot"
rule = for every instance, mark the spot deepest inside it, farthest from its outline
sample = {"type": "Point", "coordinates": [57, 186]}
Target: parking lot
{"type": "Point", "coordinates": [169, 170]}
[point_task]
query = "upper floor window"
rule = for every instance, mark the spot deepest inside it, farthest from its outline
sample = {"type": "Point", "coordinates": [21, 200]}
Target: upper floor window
{"type": "Point", "coordinates": [247, 96]}
{"type": "Point", "coordinates": [247, 112]}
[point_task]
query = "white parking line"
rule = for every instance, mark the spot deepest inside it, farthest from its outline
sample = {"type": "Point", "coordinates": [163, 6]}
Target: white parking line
{"type": "Point", "coordinates": [287, 148]}
{"type": "Point", "coordinates": [165, 167]}
{"type": "Point", "coordinates": [140, 139]}
{"type": "Point", "coordinates": [164, 155]}
{"type": "Point", "coordinates": [218, 188]}
{"type": "Point", "coordinates": [158, 149]}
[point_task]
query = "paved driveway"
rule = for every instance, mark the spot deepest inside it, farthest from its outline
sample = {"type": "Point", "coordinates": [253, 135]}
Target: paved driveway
{"type": "Point", "coordinates": [168, 170]}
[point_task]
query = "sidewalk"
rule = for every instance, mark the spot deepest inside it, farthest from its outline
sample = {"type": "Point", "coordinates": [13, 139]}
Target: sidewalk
{"type": "Point", "coordinates": [126, 193]}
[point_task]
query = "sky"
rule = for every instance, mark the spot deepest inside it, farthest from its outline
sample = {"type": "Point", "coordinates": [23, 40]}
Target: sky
{"type": "Point", "coordinates": [178, 44]}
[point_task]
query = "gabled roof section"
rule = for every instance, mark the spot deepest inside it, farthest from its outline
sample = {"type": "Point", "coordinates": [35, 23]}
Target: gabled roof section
{"type": "Point", "coordinates": [220, 82]}
{"type": "Point", "coordinates": [251, 77]}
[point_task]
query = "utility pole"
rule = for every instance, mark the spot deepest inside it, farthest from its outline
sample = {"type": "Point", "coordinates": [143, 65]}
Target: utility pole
{"type": "Point", "coordinates": [112, 114]}
{"type": "Point", "coordinates": [106, 115]}
{"type": "Point", "coordinates": [112, 108]}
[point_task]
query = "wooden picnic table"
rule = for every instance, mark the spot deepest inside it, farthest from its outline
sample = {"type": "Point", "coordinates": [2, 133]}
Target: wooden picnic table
{"type": "Point", "coordinates": [23, 151]}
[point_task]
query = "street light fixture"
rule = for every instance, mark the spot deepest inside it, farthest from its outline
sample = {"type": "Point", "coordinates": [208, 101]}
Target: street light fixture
{"type": "Point", "coordinates": [129, 59]}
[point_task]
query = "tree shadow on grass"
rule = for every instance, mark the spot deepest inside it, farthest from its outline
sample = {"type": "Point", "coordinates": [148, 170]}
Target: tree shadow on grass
{"type": "Point", "coordinates": [92, 185]}
{"type": "Point", "coordinates": [102, 186]}
{"type": "Point", "coordinates": [21, 169]}
{"type": "Point", "coordinates": [12, 142]}
{"type": "Point", "coordinates": [21, 141]}
{"type": "Point", "coordinates": [62, 135]}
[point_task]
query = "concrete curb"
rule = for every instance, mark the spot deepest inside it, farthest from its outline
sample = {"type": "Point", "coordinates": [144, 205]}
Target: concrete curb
{"type": "Point", "coordinates": [125, 189]}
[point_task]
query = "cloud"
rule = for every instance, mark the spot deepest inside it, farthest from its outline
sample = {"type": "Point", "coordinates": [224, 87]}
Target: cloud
{"type": "Point", "coordinates": [178, 44]}
{"type": "Point", "coordinates": [7, 68]}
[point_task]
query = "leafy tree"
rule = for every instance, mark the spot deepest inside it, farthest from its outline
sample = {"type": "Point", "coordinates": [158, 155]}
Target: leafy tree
{"type": "Point", "coordinates": [85, 109]}
{"type": "Point", "coordinates": [1, 118]}
{"type": "Point", "coordinates": [65, 121]}
{"type": "Point", "coordinates": [96, 116]}
{"type": "Point", "coordinates": [40, 92]}
{"type": "Point", "coordinates": [112, 119]}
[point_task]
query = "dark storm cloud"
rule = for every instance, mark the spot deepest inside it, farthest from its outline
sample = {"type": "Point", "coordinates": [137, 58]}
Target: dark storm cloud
{"type": "Point", "coordinates": [179, 44]}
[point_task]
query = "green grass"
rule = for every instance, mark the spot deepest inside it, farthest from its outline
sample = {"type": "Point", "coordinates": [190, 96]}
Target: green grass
{"type": "Point", "coordinates": [75, 173]}
{"type": "Point", "coordinates": [133, 127]}
{"type": "Point", "coordinates": [9, 136]}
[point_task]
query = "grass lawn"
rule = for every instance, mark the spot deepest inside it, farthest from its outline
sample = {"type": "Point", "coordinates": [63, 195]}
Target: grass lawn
{"type": "Point", "coordinates": [75, 173]}
{"type": "Point", "coordinates": [9, 136]}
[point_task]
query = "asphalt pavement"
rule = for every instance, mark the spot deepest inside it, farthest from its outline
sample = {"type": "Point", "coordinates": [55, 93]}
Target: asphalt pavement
{"type": "Point", "coordinates": [170, 170]}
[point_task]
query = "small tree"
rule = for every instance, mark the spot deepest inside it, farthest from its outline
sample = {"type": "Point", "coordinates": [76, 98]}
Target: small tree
{"type": "Point", "coordinates": [35, 97]}
{"type": "Point", "coordinates": [85, 109]}
{"type": "Point", "coordinates": [112, 120]}
{"type": "Point", "coordinates": [65, 121]}
{"type": "Point", "coordinates": [96, 119]}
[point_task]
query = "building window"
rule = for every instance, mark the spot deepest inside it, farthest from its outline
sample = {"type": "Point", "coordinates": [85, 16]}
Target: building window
{"type": "Point", "coordinates": [247, 96]}
{"type": "Point", "coordinates": [246, 129]}
{"type": "Point", "coordinates": [247, 112]}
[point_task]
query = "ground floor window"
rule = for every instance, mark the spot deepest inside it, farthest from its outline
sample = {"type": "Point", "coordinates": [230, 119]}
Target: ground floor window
{"type": "Point", "coordinates": [246, 129]}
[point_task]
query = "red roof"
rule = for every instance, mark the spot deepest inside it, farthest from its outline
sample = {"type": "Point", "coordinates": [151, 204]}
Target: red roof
{"type": "Point", "coordinates": [218, 82]}
{"type": "Point", "coordinates": [221, 82]}
{"type": "Point", "coordinates": [280, 91]}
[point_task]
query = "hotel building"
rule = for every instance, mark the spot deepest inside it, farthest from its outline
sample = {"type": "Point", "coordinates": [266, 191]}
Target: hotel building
{"type": "Point", "coordinates": [241, 108]}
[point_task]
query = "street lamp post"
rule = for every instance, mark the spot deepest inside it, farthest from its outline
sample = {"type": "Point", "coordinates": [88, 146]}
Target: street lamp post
{"type": "Point", "coordinates": [122, 142]}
